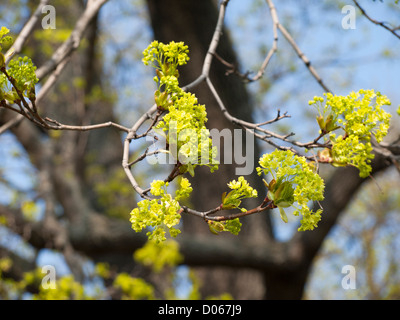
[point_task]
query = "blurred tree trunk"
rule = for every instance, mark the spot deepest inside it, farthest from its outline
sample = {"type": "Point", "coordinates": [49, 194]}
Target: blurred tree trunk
{"type": "Point", "coordinates": [193, 22]}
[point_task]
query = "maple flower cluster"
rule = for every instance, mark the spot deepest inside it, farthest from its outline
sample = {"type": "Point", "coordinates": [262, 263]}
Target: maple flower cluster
{"type": "Point", "coordinates": [360, 116]}
{"type": "Point", "coordinates": [294, 184]}
{"type": "Point", "coordinates": [20, 74]}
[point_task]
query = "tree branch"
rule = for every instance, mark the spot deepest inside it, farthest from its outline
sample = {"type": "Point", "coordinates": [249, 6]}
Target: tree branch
{"type": "Point", "coordinates": [379, 23]}
{"type": "Point", "coordinates": [70, 45]}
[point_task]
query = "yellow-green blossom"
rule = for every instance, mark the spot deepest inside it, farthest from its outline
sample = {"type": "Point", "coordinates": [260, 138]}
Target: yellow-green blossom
{"type": "Point", "coordinates": [159, 255]}
{"type": "Point", "coordinates": [233, 226]}
{"type": "Point", "coordinates": [133, 288]}
{"type": "Point", "coordinates": [21, 71]}
{"type": "Point", "coordinates": [184, 190]}
{"type": "Point", "coordinates": [240, 190]}
{"type": "Point", "coordinates": [66, 288]}
{"type": "Point", "coordinates": [161, 214]}
{"type": "Point", "coordinates": [159, 54]}
{"type": "Point", "coordinates": [360, 115]}
{"type": "Point", "coordinates": [184, 123]}
{"type": "Point", "coordinates": [294, 183]}
{"type": "Point", "coordinates": [349, 151]}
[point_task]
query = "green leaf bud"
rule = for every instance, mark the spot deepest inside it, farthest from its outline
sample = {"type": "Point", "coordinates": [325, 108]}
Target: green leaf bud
{"type": "Point", "coordinates": [215, 227]}
{"type": "Point", "coordinates": [321, 122]}
{"type": "Point", "coordinates": [283, 214]}
{"type": "Point", "coordinates": [2, 61]}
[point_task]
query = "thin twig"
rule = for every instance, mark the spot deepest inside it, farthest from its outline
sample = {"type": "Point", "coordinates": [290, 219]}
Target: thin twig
{"type": "Point", "coordinates": [55, 65]}
{"type": "Point", "coordinates": [277, 118]}
{"type": "Point", "coordinates": [303, 57]}
{"type": "Point", "coordinates": [274, 48]}
{"type": "Point", "coordinates": [206, 215]}
{"type": "Point", "coordinates": [379, 23]}
{"type": "Point", "coordinates": [215, 39]}
{"type": "Point", "coordinates": [59, 126]}
{"type": "Point", "coordinates": [156, 117]}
